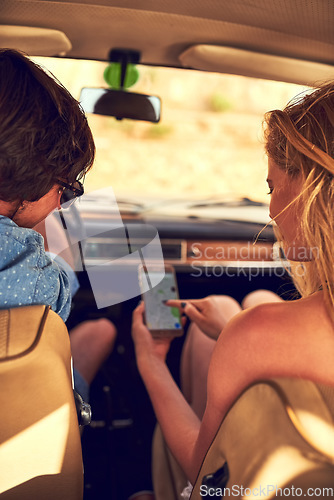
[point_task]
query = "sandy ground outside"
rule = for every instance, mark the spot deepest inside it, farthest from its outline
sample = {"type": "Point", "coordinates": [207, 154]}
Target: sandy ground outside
{"type": "Point", "coordinates": [209, 143]}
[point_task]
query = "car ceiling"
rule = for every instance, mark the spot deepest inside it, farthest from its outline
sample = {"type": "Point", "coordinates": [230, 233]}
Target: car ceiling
{"type": "Point", "coordinates": [169, 32]}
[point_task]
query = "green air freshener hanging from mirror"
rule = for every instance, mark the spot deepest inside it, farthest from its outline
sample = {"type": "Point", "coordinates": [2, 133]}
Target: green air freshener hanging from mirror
{"type": "Point", "coordinates": [112, 75]}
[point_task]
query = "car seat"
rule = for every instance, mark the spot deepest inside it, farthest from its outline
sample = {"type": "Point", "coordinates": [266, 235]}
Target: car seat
{"type": "Point", "coordinates": [40, 447]}
{"type": "Point", "coordinates": [277, 440]}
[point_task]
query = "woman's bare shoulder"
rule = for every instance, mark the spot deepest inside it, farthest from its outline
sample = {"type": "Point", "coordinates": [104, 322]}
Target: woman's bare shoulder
{"type": "Point", "coordinates": [283, 317]}
{"type": "Point", "coordinates": [261, 319]}
{"type": "Point", "coordinates": [286, 339]}
{"type": "Point", "coordinates": [294, 338]}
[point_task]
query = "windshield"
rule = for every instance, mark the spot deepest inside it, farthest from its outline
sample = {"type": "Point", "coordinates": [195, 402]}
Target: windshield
{"type": "Point", "coordinates": [208, 144]}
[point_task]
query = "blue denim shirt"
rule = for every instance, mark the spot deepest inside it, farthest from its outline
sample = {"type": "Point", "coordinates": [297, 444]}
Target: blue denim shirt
{"type": "Point", "coordinates": [27, 274]}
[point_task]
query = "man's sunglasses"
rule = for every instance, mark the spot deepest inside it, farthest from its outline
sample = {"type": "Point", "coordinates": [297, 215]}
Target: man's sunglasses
{"type": "Point", "coordinates": [70, 192]}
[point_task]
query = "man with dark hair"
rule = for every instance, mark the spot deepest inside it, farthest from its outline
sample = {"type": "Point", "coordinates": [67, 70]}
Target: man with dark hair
{"type": "Point", "coordinates": [44, 133]}
{"type": "Point", "coordinates": [46, 147]}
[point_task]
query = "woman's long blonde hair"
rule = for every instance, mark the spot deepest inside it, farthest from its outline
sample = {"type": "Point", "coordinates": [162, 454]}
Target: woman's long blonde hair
{"type": "Point", "coordinates": [300, 141]}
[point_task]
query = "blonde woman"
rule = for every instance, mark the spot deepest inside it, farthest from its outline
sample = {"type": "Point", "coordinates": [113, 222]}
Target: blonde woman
{"type": "Point", "coordinates": [293, 339]}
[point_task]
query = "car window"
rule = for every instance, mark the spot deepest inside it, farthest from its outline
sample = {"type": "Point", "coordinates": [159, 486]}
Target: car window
{"type": "Point", "coordinates": [208, 144]}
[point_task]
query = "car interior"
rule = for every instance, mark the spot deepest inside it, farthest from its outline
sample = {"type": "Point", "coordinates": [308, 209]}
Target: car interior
{"type": "Point", "coordinates": [175, 92]}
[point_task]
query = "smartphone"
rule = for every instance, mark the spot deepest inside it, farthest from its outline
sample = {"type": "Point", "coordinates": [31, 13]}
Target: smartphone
{"type": "Point", "coordinates": [160, 319]}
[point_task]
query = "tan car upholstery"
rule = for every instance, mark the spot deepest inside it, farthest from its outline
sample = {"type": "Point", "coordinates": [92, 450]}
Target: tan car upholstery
{"type": "Point", "coordinates": [278, 437]}
{"type": "Point", "coordinates": [279, 434]}
{"type": "Point", "coordinates": [40, 447]}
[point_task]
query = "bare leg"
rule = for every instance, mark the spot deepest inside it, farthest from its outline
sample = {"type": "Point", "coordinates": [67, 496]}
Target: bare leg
{"type": "Point", "coordinates": [91, 344]}
{"type": "Point", "coordinates": [196, 357]}
{"type": "Point", "coordinates": [259, 297]}
{"type": "Point", "coordinates": [198, 349]}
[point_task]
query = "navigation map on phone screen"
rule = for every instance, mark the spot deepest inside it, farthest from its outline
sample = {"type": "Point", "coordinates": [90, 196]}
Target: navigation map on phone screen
{"type": "Point", "coordinates": [158, 316]}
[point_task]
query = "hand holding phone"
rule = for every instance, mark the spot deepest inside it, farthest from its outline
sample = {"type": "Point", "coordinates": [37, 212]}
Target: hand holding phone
{"type": "Point", "coordinates": [160, 319]}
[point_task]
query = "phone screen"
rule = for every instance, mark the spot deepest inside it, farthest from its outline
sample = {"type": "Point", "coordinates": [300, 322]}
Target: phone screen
{"type": "Point", "coordinates": [158, 315]}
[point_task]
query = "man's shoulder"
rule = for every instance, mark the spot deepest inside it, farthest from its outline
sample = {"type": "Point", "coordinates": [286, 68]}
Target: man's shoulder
{"type": "Point", "coordinates": [11, 232]}
{"type": "Point", "coordinates": [20, 248]}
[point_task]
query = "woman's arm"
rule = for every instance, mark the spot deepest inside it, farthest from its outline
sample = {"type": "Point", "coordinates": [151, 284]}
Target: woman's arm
{"type": "Point", "coordinates": [172, 411]}
{"type": "Point", "coordinates": [210, 314]}
{"type": "Point", "coordinates": [239, 359]}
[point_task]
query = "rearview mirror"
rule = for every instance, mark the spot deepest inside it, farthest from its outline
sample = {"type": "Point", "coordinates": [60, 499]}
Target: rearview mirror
{"type": "Point", "coordinates": [120, 104]}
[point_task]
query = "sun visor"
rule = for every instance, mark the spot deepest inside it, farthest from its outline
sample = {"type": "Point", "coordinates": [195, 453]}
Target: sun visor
{"type": "Point", "coordinates": [35, 41]}
{"type": "Point", "coordinates": [255, 64]}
